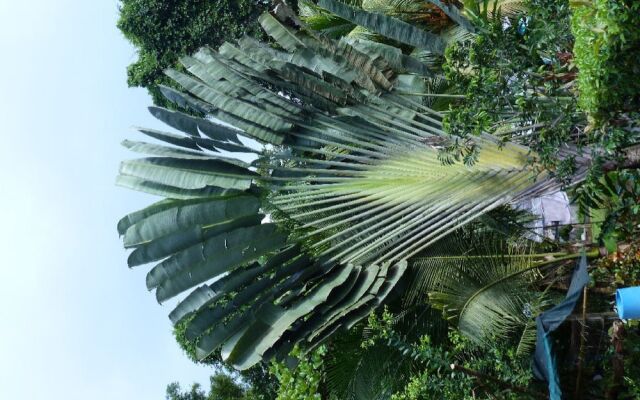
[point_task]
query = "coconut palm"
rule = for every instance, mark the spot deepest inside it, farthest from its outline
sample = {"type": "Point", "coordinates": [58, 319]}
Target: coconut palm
{"type": "Point", "coordinates": [349, 176]}
{"type": "Point", "coordinates": [484, 286]}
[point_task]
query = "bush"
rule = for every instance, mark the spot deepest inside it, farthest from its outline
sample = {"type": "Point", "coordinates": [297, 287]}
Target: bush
{"type": "Point", "coordinates": [302, 382]}
{"type": "Point", "coordinates": [606, 50]}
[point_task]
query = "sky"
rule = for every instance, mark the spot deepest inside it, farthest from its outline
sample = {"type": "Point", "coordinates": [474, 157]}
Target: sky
{"type": "Point", "coordinates": [75, 322]}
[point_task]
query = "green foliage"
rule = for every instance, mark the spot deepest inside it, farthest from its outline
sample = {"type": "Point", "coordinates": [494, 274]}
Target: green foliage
{"type": "Point", "coordinates": [380, 327]}
{"type": "Point", "coordinates": [365, 189]}
{"type": "Point", "coordinates": [434, 378]}
{"type": "Point", "coordinates": [357, 369]}
{"type": "Point", "coordinates": [358, 175]}
{"type": "Point", "coordinates": [174, 392]}
{"type": "Point", "coordinates": [607, 46]}
{"type": "Point", "coordinates": [262, 385]}
{"type": "Point", "coordinates": [513, 76]}
{"type": "Point", "coordinates": [431, 15]}
{"type": "Point", "coordinates": [304, 381]}
{"type": "Point", "coordinates": [387, 26]}
{"type": "Point", "coordinates": [163, 31]}
{"type": "Point", "coordinates": [438, 383]}
{"type": "Point", "coordinates": [616, 193]}
{"type": "Point", "coordinates": [484, 278]}
{"type": "Point", "coordinates": [631, 360]}
{"type": "Point", "coordinates": [633, 386]}
{"type": "Point", "coordinates": [620, 269]}
{"type": "Point", "coordinates": [519, 81]}
{"type": "Point", "coordinates": [223, 386]}
{"type": "Point", "coordinates": [490, 298]}
{"type": "Point", "coordinates": [352, 181]}
{"type": "Point", "coordinates": [321, 20]}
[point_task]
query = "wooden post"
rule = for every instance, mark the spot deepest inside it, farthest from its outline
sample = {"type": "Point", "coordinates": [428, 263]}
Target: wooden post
{"type": "Point", "coordinates": [583, 334]}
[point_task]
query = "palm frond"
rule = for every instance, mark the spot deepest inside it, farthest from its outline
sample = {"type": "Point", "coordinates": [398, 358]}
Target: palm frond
{"type": "Point", "coordinates": [379, 370]}
{"type": "Point", "coordinates": [357, 188]}
{"type": "Point", "coordinates": [486, 9]}
{"type": "Point", "coordinates": [354, 373]}
{"type": "Point", "coordinates": [483, 287]}
{"type": "Point", "coordinates": [385, 25]}
{"type": "Point", "coordinates": [318, 19]}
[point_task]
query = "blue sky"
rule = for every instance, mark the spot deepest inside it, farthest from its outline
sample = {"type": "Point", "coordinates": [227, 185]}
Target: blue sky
{"type": "Point", "coordinates": [75, 322]}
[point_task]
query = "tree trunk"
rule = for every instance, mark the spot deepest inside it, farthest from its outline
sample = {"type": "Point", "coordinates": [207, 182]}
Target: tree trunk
{"type": "Point", "coordinates": [617, 338]}
{"type": "Point", "coordinates": [631, 160]}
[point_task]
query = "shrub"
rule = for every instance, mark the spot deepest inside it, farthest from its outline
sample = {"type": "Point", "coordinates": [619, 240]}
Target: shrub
{"type": "Point", "coordinates": [607, 45]}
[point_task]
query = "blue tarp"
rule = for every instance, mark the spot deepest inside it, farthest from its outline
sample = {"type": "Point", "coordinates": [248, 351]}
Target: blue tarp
{"type": "Point", "coordinates": [547, 322]}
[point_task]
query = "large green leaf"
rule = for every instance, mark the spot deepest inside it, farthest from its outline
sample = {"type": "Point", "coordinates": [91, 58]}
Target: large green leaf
{"type": "Point", "coordinates": [188, 174]}
{"type": "Point", "coordinates": [230, 105]}
{"type": "Point", "coordinates": [197, 143]}
{"type": "Point", "coordinates": [272, 321]}
{"type": "Point", "coordinates": [361, 287]}
{"type": "Point", "coordinates": [247, 302]}
{"type": "Point", "coordinates": [481, 283]}
{"type": "Point", "coordinates": [172, 229]}
{"type": "Point", "coordinates": [393, 55]}
{"type": "Point", "coordinates": [210, 68]}
{"type": "Point", "coordinates": [185, 100]}
{"type": "Point", "coordinates": [208, 294]}
{"type": "Point", "coordinates": [387, 26]}
{"type": "Point", "coordinates": [358, 290]}
{"type": "Point", "coordinates": [164, 151]}
{"type": "Point", "coordinates": [232, 71]}
{"type": "Point", "coordinates": [171, 138]}
{"type": "Point", "coordinates": [194, 126]}
{"type": "Point", "coordinates": [180, 240]}
{"type": "Point", "coordinates": [137, 216]}
{"type": "Point", "coordinates": [284, 36]}
{"type": "Point", "coordinates": [201, 297]}
{"type": "Point", "coordinates": [182, 216]}
{"type": "Point", "coordinates": [211, 258]}
{"type": "Point", "coordinates": [168, 191]}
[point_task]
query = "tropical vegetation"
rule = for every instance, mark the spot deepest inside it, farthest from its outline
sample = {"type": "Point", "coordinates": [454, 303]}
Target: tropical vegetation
{"type": "Point", "coordinates": [162, 31]}
{"type": "Point", "coordinates": [222, 386]}
{"type": "Point", "coordinates": [341, 200]}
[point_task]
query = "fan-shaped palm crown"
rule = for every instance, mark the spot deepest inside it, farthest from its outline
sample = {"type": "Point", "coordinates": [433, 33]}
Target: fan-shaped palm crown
{"type": "Point", "coordinates": [350, 175]}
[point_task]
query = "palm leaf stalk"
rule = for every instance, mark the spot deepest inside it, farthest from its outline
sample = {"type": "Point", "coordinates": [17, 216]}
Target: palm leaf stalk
{"type": "Point", "coordinates": [352, 188]}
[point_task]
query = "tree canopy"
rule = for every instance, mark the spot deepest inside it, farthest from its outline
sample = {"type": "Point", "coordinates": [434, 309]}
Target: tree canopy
{"type": "Point", "coordinates": [222, 387]}
{"type": "Point", "coordinates": [164, 30]}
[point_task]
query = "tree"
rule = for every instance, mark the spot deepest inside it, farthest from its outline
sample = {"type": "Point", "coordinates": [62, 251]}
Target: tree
{"type": "Point", "coordinates": [222, 387]}
{"type": "Point", "coordinates": [257, 376]}
{"type": "Point", "coordinates": [359, 187]}
{"type": "Point", "coordinates": [163, 31]}
{"type": "Point", "coordinates": [357, 190]}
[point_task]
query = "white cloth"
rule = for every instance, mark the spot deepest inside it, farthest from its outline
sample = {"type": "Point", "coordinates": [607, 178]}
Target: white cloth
{"type": "Point", "coordinates": [550, 209]}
